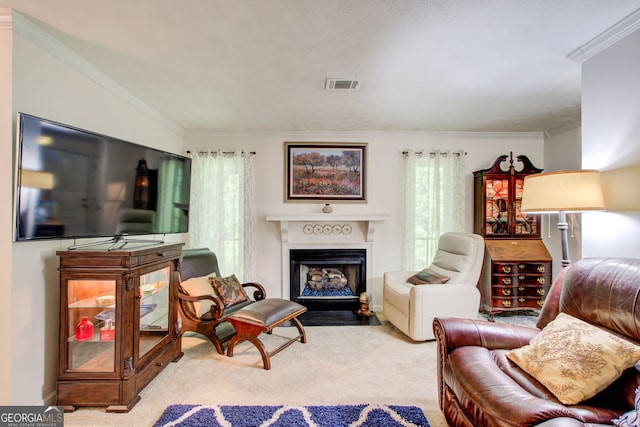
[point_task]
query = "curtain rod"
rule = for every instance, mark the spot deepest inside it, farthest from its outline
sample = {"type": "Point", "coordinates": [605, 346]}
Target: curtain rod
{"type": "Point", "coordinates": [442, 153]}
{"type": "Point", "coordinates": [221, 152]}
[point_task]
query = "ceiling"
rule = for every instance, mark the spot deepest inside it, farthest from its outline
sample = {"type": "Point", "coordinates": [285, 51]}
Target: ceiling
{"type": "Point", "coordinates": [261, 65]}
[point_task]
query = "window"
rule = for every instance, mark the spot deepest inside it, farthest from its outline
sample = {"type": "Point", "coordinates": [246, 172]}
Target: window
{"type": "Point", "coordinates": [433, 203]}
{"type": "Point", "coordinates": [221, 215]}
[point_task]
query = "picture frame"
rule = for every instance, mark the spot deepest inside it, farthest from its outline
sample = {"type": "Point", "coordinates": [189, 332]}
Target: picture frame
{"type": "Point", "coordinates": [333, 172]}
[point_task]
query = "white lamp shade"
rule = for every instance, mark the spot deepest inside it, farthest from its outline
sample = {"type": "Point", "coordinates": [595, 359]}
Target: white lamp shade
{"type": "Point", "coordinates": [570, 191]}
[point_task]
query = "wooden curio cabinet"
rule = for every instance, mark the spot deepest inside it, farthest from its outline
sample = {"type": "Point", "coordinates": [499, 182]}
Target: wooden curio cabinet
{"type": "Point", "coordinates": [118, 324]}
{"type": "Point", "coordinates": [517, 266]}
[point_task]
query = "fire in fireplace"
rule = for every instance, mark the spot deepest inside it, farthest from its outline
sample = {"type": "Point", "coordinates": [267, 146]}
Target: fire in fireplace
{"type": "Point", "coordinates": [328, 279]}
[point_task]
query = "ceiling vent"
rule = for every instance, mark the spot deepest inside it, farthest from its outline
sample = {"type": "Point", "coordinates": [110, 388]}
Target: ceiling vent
{"type": "Point", "coordinates": [341, 84]}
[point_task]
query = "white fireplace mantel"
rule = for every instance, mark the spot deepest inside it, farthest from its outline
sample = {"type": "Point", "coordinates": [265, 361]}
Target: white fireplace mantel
{"type": "Point", "coordinates": [370, 220]}
{"type": "Point", "coordinates": [316, 231]}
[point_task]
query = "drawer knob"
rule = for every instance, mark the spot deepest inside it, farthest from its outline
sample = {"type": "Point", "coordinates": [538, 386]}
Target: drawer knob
{"type": "Point", "coordinates": [506, 292]}
{"type": "Point", "coordinates": [506, 280]}
{"type": "Point", "coordinates": [506, 268]}
{"type": "Point", "coordinates": [541, 268]}
{"type": "Point", "coordinates": [540, 291]}
{"type": "Point", "coordinates": [506, 303]}
{"type": "Point", "coordinates": [541, 280]}
{"type": "Point", "coordinates": [540, 302]}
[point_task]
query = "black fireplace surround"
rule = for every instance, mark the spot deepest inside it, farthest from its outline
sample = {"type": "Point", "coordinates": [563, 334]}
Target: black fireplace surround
{"type": "Point", "coordinates": [351, 262]}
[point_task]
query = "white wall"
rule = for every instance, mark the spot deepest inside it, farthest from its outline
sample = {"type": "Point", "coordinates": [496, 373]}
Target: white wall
{"type": "Point", "coordinates": [562, 152]}
{"type": "Point", "coordinates": [6, 178]}
{"type": "Point", "coordinates": [46, 86]}
{"type": "Point", "coordinates": [611, 142]}
{"type": "Point", "coordinates": [384, 172]}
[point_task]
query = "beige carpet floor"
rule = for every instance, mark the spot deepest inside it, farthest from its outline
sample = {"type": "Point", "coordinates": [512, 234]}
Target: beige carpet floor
{"type": "Point", "coordinates": [339, 365]}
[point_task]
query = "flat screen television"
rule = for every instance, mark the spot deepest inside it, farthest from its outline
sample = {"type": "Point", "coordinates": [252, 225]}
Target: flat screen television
{"type": "Point", "coordinates": [72, 183]}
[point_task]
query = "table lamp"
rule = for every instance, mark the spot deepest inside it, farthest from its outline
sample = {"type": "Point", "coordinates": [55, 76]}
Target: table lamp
{"type": "Point", "coordinates": [562, 192]}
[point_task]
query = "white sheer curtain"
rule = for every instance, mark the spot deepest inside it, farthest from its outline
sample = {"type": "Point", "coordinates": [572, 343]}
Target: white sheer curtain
{"type": "Point", "coordinates": [433, 202]}
{"type": "Point", "coordinates": [222, 210]}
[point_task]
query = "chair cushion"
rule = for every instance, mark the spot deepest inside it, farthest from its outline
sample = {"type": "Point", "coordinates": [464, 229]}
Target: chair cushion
{"type": "Point", "coordinates": [397, 294]}
{"type": "Point", "coordinates": [197, 286]}
{"type": "Point", "coordinates": [575, 360]}
{"type": "Point", "coordinates": [229, 289]}
{"type": "Point", "coordinates": [267, 312]}
{"type": "Point", "coordinates": [427, 276]}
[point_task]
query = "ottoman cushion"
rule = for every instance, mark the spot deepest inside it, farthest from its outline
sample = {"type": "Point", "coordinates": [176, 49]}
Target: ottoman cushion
{"type": "Point", "coordinates": [266, 312]}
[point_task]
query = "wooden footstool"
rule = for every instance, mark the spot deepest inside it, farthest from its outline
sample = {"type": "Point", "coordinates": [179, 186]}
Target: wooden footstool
{"type": "Point", "coordinates": [263, 316]}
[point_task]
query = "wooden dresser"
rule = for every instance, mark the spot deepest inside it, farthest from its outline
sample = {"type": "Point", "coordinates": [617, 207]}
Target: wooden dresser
{"type": "Point", "coordinates": [516, 275]}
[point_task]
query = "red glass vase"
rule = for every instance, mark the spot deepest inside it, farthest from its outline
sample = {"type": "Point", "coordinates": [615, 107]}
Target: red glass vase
{"type": "Point", "coordinates": [84, 329]}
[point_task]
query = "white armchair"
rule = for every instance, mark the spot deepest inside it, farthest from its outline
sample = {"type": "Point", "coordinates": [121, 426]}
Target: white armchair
{"type": "Point", "coordinates": [412, 308]}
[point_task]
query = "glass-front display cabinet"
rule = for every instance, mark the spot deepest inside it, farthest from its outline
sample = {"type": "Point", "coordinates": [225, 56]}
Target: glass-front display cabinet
{"type": "Point", "coordinates": [498, 197]}
{"type": "Point", "coordinates": [118, 323]}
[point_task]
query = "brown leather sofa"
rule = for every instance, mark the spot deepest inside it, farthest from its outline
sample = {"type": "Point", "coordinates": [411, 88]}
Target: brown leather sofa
{"type": "Point", "coordinates": [478, 385]}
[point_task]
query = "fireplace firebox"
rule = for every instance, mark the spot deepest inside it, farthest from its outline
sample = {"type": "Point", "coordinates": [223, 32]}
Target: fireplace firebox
{"type": "Point", "coordinates": [328, 279]}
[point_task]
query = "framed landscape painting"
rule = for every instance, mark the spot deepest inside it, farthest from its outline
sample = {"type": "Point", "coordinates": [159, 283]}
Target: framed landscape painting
{"type": "Point", "coordinates": [325, 171]}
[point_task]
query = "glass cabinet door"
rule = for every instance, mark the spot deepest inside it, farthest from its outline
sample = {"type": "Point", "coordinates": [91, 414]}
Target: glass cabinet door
{"type": "Point", "coordinates": [497, 207]}
{"type": "Point", "coordinates": [91, 327]}
{"type": "Point", "coordinates": [526, 224]}
{"type": "Point", "coordinates": [154, 309]}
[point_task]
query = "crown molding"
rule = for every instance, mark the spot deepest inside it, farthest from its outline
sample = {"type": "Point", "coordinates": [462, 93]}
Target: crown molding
{"type": "Point", "coordinates": [605, 39]}
{"type": "Point", "coordinates": [29, 30]}
{"type": "Point", "coordinates": [6, 23]}
{"type": "Point", "coordinates": [358, 136]}
{"type": "Point", "coordinates": [570, 126]}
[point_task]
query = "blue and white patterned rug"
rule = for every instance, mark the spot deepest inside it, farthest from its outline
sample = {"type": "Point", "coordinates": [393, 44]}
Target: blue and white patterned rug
{"type": "Point", "coordinates": [292, 416]}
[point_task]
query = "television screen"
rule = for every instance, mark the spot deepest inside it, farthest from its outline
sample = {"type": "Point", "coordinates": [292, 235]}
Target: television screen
{"type": "Point", "coordinates": [73, 183]}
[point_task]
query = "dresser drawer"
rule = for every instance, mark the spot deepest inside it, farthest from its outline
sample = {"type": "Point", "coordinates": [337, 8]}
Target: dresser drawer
{"type": "Point", "coordinates": [169, 253]}
{"type": "Point", "coordinates": [517, 302]}
{"type": "Point", "coordinates": [520, 279]}
{"type": "Point", "coordinates": [520, 291]}
{"type": "Point", "coordinates": [521, 267]}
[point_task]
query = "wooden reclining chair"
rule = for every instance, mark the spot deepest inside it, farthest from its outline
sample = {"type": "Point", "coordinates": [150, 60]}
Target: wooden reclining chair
{"type": "Point", "coordinates": [198, 263]}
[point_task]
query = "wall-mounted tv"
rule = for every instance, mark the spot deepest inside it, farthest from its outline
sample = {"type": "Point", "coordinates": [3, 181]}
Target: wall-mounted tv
{"type": "Point", "coordinates": [72, 183]}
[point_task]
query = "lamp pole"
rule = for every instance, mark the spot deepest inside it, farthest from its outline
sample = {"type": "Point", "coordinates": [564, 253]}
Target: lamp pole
{"type": "Point", "coordinates": [563, 226]}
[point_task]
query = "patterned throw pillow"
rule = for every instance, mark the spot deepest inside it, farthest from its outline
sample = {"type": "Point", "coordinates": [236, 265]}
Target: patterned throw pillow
{"type": "Point", "coordinates": [575, 360]}
{"type": "Point", "coordinates": [197, 286]}
{"type": "Point", "coordinates": [427, 276]}
{"type": "Point", "coordinates": [229, 289]}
